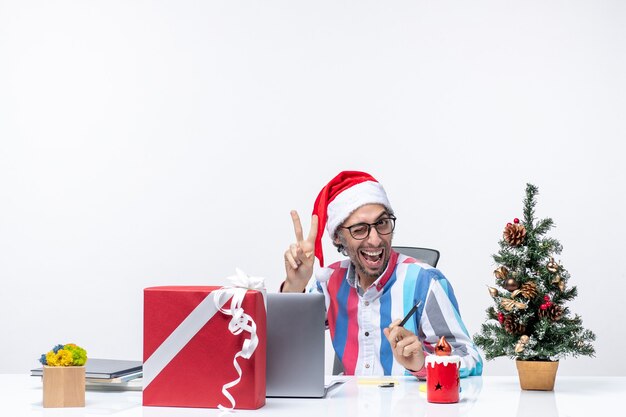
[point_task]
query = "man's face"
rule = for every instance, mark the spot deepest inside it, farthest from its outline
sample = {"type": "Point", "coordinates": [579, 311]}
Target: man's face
{"type": "Point", "coordinates": [371, 255]}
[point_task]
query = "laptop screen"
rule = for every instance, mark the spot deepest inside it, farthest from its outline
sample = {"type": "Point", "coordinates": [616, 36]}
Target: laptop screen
{"type": "Point", "coordinates": [295, 344]}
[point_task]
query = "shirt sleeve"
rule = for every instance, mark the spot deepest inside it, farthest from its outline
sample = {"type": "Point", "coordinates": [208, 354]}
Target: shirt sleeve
{"type": "Point", "coordinates": [421, 374]}
{"type": "Point", "coordinates": [441, 317]}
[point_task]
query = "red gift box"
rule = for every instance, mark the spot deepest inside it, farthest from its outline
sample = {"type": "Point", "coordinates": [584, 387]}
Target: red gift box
{"type": "Point", "coordinates": [188, 349]}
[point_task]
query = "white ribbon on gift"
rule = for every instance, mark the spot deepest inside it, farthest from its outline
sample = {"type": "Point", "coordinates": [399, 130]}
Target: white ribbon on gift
{"type": "Point", "coordinates": [200, 315]}
{"type": "Point", "coordinates": [240, 322]}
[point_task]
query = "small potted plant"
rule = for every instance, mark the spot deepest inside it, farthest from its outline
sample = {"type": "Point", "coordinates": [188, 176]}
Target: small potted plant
{"type": "Point", "coordinates": [530, 321]}
{"type": "Point", "coordinates": [64, 376]}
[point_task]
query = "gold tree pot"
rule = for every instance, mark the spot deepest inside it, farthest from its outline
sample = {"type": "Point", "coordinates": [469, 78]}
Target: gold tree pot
{"type": "Point", "coordinates": [537, 375]}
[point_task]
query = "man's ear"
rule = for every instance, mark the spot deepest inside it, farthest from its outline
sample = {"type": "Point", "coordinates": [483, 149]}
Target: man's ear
{"type": "Point", "coordinates": [336, 240]}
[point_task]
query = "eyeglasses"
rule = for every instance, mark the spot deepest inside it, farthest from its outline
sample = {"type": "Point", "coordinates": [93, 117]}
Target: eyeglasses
{"type": "Point", "coordinates": [361, 231]}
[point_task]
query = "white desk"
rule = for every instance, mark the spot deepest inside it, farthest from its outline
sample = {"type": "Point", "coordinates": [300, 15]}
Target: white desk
{"type": "Point", "coordinates": [21, 395]}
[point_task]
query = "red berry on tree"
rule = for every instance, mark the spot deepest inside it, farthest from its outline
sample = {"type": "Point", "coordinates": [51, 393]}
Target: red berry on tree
{"type": "Point", "coordinates": [516, 220]}
{"type": "Point", "coordinates": [546, 298]}
{"type": "Point", "coordinates": [500, 318]}
{"type": "Point", "coordinates": [543, 306]}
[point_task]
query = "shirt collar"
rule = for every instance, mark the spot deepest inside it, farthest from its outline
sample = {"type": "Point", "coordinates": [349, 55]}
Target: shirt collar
{"type": "Point", "coordinates": [377, 286]}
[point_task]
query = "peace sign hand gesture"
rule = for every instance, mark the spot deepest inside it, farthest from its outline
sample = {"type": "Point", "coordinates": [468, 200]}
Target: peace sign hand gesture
{"type": "Point", "coordinates": [299, 258]}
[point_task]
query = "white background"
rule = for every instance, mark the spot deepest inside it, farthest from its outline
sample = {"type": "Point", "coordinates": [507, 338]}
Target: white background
{"type": "Point", "coordinates": [154, 143]}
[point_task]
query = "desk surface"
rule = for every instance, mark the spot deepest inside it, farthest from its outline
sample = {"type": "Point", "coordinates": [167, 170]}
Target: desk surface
{"type": "Point", "coordinates": [21, 395]}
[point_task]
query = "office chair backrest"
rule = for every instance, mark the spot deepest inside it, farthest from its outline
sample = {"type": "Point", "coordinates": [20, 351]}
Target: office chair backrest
{"type": "Point", "coordinates": [427, 255]}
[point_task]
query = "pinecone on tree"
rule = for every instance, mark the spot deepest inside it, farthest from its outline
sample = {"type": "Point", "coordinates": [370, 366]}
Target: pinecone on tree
{"type": "Point", "coordinates": [514, 234]}
{"type": "Point", "coordinates": [529, 290]}
{"type": "Point", "coordinates": [511, 325]}
{"type": "Point", "coordinates": [553, 311]}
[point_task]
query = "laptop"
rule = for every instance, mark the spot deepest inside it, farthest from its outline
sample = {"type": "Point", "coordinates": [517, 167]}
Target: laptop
{"type": "Point", "coordinates": [295, 345]}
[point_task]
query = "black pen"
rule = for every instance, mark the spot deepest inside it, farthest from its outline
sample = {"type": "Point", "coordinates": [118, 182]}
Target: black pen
{"type": "Point", "coordinates": [410, 313]}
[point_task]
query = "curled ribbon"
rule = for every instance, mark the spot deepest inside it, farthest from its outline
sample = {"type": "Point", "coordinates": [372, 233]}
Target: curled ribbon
{"type": "Point", "coordinates": [240, 322]}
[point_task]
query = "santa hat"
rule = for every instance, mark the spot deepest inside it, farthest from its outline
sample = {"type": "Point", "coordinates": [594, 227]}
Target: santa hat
{"type": "Point", "coordinates": [345, 193]}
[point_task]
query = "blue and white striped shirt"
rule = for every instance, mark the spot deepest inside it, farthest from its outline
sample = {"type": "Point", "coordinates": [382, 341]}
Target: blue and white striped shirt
{"type": "Point", "coordinates": [356, 319]}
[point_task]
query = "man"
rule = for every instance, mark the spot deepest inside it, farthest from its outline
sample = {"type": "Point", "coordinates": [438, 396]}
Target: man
{"type": "Point", "coordinates": [374, 284]}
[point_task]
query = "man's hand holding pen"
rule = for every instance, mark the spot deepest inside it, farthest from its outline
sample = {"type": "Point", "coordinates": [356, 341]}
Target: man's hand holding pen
{"type": "Point", "coordinates": [406, 347]}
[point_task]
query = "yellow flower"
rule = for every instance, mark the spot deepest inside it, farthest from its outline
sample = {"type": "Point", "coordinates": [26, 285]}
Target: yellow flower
{"type": "Point", "coordinates": [51, 359]}
{"type": "Point", "coordinates": [61, 358]}
{"type": "Point", "coordinates": [66, 357]}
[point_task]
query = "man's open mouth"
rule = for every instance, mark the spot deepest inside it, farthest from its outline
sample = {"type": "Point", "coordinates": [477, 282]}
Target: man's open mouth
{"type": "Point", "coordinates": [372, 258]}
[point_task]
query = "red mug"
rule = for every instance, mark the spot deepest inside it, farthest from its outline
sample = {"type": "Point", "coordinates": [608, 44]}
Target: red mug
{"type": "Point", "coordinates": [442, 379]}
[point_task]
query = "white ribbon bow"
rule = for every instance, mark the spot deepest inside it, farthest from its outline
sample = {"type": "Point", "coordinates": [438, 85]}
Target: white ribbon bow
{"type": "Point", "coordinates": [240, 322]}
{"type": "Point", "coordinates": [243, 280]}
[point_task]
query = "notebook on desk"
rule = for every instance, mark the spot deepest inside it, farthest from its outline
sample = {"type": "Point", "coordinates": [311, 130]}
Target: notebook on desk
{"type": "Point", "coordinates": [295, 345]}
